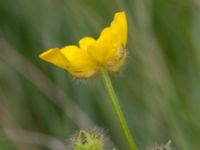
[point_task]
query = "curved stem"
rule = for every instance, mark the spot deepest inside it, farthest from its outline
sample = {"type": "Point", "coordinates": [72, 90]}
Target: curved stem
{"type": "Point", "coordinates": [115, 103]}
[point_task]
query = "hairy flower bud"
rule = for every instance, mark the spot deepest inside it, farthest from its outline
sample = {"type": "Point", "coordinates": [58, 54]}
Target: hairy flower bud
{"type": "Point", "coordinates": [88, 140]}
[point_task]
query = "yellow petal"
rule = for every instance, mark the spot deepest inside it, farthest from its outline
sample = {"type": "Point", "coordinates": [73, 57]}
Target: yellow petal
{"type": "Point", "coordinates": [98, 52]}
{"type": "Point", "coordinates": [105, 34]}
{"type": "Point", "coordinates": [100, 49]}
{"type": "Point", "coordinates": [81, 64]}
{"type": "Point", "coordinates": [119, 27]}
{"type": "Point", "coordinates": [77, 57]}
{"type": "Point", "coordinates": [55, 57]}
{"type": "Point", "coordinates": [110, 40]}
{"type": "Point", "coordinates": [85, 42]}
{"type": "Point", "coordinates": [120, 23]}
{"type": "Point", "coordinates": [69, 52]}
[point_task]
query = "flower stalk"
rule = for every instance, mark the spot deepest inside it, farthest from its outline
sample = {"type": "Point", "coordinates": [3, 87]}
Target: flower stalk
{"type": "Point", "coordinates": [115, 103]}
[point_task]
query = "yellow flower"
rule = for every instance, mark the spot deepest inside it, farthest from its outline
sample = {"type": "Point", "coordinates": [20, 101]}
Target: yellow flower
{"type": "Point", "coordinates": [107, 51]}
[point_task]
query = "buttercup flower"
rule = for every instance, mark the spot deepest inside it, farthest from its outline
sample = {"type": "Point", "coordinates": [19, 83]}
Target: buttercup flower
{"type": "Point", "coordinates": [85, 60]}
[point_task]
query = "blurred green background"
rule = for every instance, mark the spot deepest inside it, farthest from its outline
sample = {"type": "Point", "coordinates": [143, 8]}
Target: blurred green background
{"type": "Point", "coordinates": [42, 106]}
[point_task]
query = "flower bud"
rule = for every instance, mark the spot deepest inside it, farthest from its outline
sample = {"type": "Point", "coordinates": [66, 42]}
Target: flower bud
{"type": "Point", "coordinates": [88, 140]}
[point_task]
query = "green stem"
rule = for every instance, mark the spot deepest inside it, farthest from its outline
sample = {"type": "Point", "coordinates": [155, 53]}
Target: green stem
{"type": "Point", "coordinates": [115, 103]}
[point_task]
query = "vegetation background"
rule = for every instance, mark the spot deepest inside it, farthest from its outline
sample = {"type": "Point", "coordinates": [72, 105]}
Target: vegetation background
{"type": "Point", "coordinates": [42, 106]}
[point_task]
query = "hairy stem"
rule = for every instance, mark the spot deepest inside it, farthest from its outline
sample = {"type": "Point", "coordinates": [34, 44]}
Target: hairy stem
{"type": "Point", "coordinates": [115, 103]}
